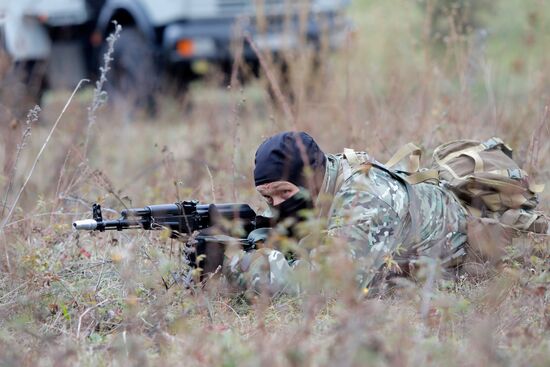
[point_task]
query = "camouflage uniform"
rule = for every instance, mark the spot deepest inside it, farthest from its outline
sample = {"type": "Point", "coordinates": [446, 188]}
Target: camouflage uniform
{"type": "Point", "coordinates": [380, 219]}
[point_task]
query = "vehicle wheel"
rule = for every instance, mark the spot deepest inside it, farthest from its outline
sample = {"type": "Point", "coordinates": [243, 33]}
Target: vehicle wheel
{"type": "Point", "coordinates": [134, 73]}
{"type": "Point", "coordinates": [27, 82]}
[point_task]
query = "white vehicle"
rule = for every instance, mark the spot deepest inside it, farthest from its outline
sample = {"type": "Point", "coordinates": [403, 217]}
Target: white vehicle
{"type": "Point", "coordinates": [47, 42]}
{"type": "Point", "coordinates": [158, 35]}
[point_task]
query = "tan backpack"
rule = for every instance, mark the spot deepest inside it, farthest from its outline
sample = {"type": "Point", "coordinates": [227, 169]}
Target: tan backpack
{"type": "Point", "coordinates": [499, 196]}
{"type": "Point", "coordinates": [484, 175]}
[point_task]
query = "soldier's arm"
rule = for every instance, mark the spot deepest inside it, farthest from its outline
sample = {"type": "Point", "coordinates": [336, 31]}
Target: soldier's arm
{"type": "Point", "coordinates": [265, 270]}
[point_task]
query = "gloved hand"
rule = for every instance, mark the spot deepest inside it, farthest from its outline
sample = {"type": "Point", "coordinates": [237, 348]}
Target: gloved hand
{"type": "Point", "coordinates": [258, 236]}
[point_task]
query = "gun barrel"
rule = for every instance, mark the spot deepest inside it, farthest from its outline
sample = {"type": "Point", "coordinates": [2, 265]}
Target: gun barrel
{"type": "Point", "coordinates": [86, 224]}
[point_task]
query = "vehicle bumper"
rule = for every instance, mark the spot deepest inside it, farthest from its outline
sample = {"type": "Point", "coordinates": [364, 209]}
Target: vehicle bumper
{"type": "Point", "coordinates": [213, 39]}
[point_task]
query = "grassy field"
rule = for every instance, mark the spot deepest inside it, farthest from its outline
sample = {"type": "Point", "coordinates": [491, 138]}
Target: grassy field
{"type": "Point", "coordinates": [70, 298]}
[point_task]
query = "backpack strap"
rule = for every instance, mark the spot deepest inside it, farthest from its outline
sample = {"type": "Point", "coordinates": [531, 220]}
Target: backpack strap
{"type": "Point", "coordinates": [497, 142]}
{"type": "Point", "coordinates": [350, 162]}
{"type": "Point", "coordinates": [516, 174]}
{"type": "Point", "coordinates": [473, 152]}
{"type": "Point", "coordinates": [496, 201]}
{"type": "Point", "coordinates": [422, 176]}
{"type": "Point", "coordinates": [472, 210]}
{"type": "Point", "coordinates": [513, 218]}
{"type": "Point", "coordinates": [352, 157]}
{"type": "Point", "coordinates": [487, 145]}
{"type": "Point", "coordinates": [410, 151]}
{"type": "Point", "coordinates": [537, 189]}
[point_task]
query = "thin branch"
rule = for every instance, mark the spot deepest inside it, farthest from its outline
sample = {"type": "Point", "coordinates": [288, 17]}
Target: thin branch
{"type": "Point", "coordinates": [86, 312]}
{"type": "Point", "coordinates": [32, 117]}
{"type": "Point", "coordinates": [14, 290]}
{"type": "Point", "coordinates": [272, 80]}
{"type": "Point", "coordinates": [534, 145]}
{"type": "Point", "coordinates": [213, 188]}
{"type": "Point", "coordinates": [6, 219]}
{"type": "Point", "coordinates": [100, 96]}
{"type": "Point", "coordinates": [51, 214]}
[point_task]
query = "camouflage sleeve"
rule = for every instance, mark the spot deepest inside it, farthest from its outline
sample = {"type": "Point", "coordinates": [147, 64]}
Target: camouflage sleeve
{"type": "Point", "coordinates": [263, 270]}
{"type": "Point", "coordinates": [368, 215]}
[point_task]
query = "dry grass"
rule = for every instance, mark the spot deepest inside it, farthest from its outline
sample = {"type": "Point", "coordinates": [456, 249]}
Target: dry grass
{"type": "Point", "coordinates": [71, 298]}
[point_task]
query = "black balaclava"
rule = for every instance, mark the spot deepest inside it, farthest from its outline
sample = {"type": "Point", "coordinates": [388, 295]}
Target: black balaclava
{"type": "Point", "coordinates": [284, 156]}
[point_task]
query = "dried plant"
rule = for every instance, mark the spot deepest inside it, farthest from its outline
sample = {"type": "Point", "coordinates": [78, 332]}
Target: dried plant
{"type": "Point", "coordinates": [32, 118]}
{"type": "Point", "coordinates": [100, 95]}
{"type": "Point", "coordinates": [75, 298]}
{"type": "Point", "coordinates": [38, 156]}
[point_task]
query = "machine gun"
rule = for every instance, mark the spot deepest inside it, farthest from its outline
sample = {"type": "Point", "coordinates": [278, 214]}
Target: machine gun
{"type": "Point", "coordinates": [205, 228]}
{"type": "Point", "coordinates": [183, 217]}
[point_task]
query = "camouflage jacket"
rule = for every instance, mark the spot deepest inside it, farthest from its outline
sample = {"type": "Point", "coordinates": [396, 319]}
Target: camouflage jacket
{"type": "Point", "coordinates": [385, 221]}
{"type": "Point", "coordinates": [380, 220]}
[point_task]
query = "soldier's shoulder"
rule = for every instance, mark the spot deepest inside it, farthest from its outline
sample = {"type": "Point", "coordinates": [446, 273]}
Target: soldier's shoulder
{"type": "Point", "coordinates": [369, 175]}
{"type": "Point", "coordinates": [374, 187]}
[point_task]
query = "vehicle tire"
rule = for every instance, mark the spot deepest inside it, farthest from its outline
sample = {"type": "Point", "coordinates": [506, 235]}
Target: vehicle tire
{"type": "Point", "coordinates": [22, 86]}
{"type": "Point", "coordinates": [134, 72]}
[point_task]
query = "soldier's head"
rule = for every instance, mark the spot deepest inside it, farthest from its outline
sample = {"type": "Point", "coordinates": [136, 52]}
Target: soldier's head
{"type": "Point", "coordinates": [289, 171]}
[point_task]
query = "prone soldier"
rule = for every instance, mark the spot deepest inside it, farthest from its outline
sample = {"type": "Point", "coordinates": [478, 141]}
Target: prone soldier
{"type": "Point", "coordinates": [383, 223]}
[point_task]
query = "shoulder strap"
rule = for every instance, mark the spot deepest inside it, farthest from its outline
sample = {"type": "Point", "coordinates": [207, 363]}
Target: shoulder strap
{"type": "Point", "coordinates": [422, 176]}
{"type": "Point", "coordinates": [352, 162]}
{"type": "Point", "coordinates": [410, 151]}
{"type": "Point", "coordinates": [351, 157]}
{"type": "Point", "coordinates": [473, 152]}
